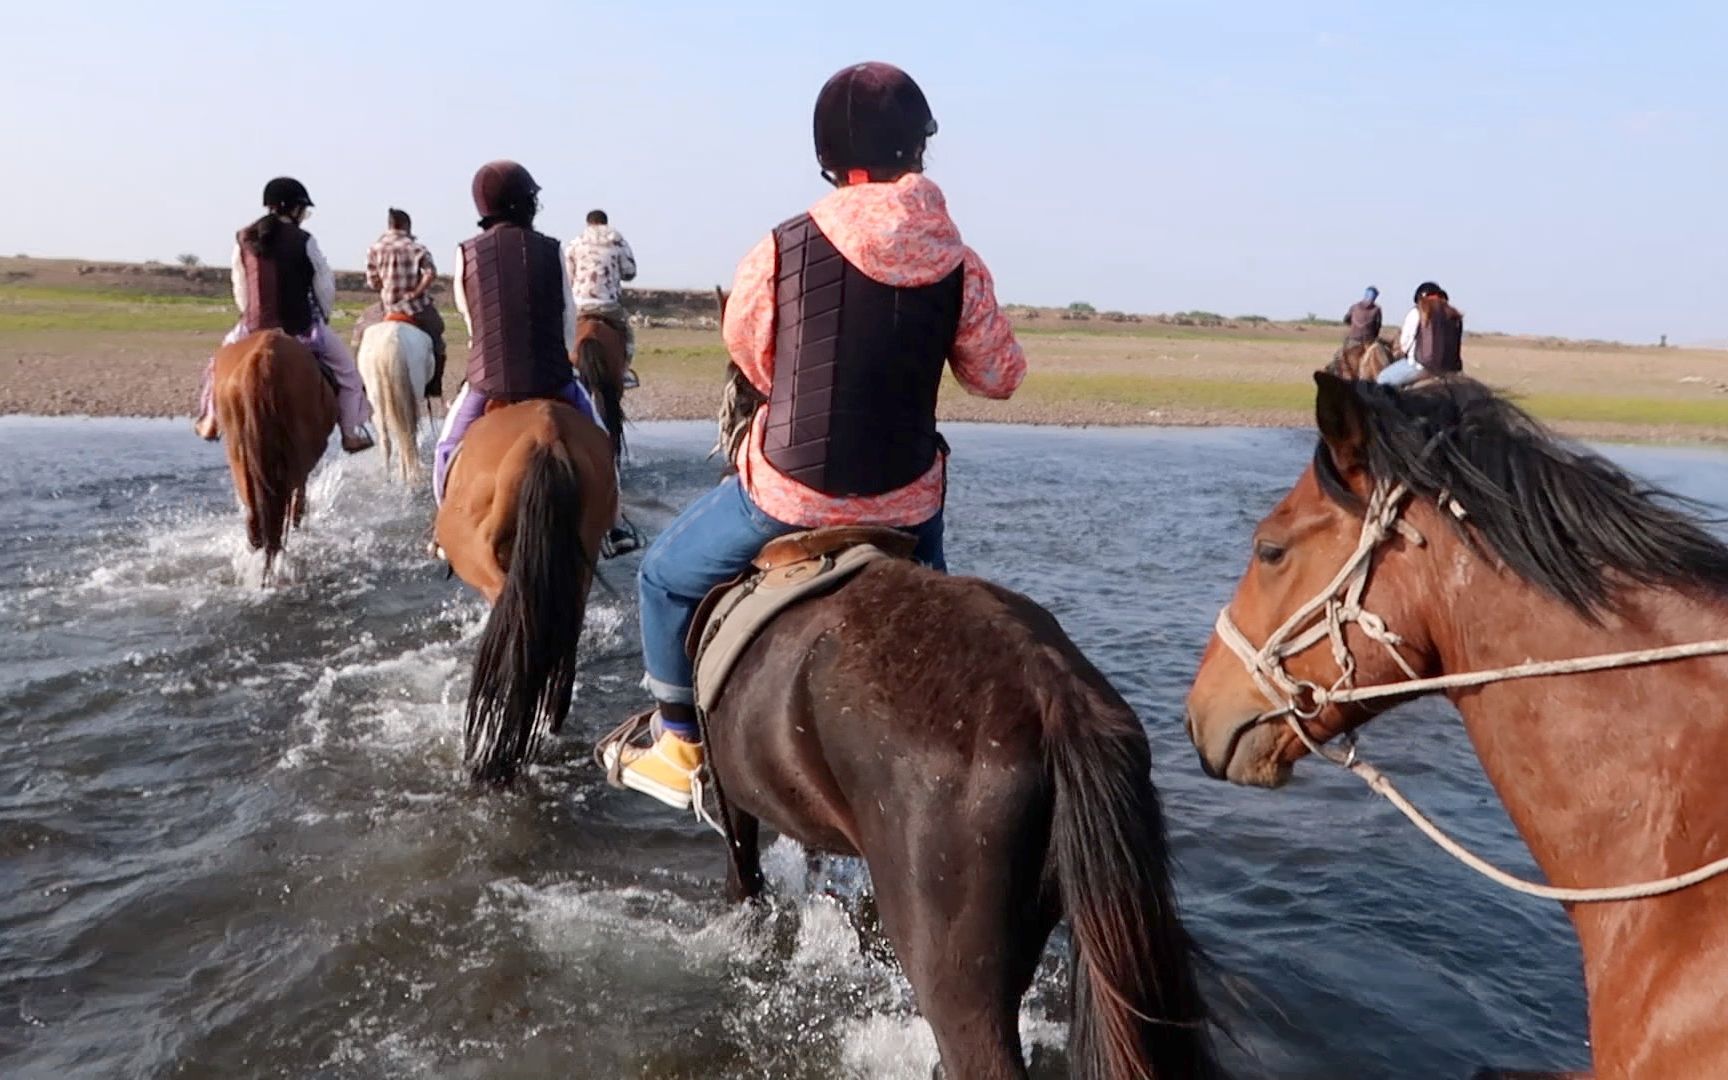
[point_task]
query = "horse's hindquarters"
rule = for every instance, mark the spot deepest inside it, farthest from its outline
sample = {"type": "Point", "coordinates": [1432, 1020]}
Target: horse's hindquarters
{"type": "Point", "coordinates": [524, 511]}
{"type": "Point", "coordinates": [276, 410]}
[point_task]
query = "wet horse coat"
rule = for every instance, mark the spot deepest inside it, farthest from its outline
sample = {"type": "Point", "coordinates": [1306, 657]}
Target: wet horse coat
{"type": "Point", "coordinates": [948, 732]}
{"type": "Point", "coordinates": [526, 505]}
{"type": "Point", "coordinates": [275, 409]}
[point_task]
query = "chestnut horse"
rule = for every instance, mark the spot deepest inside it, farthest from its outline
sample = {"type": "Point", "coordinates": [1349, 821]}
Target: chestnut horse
{"type": "Point", "coordinates": [1486, 543]}
{"type": "Point", "coordinates": [528, 499]}
{"type": "Point", "coordinates": [1365, 360]}
{"type": "Point", "coordinates": [947, 731]}
{"type": "Point", "coordinates": [275, 410]}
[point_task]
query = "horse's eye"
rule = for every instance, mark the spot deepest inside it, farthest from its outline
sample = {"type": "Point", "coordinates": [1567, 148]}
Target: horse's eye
{"type": "Point", "coordinates": [1268, 552]}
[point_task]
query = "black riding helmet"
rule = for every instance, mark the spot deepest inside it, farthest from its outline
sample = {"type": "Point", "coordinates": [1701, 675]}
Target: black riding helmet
{"type": "Point", "coordinates": [286, 194]}
{"type": "Point", "coordinates": [1427, 288]}
{"type": "Point", "coordinates": [870, 116]}
{"type": "Point", "coordinates": [503, 191]}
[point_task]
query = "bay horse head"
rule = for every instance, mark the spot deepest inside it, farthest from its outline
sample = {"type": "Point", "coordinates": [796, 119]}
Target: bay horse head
{"type": "Point", "coordinates": [1420, 506]}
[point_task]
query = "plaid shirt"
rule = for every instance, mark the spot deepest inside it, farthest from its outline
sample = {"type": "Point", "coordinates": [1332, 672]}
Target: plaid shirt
{"type": "Point", "coordinates": [393, 267]}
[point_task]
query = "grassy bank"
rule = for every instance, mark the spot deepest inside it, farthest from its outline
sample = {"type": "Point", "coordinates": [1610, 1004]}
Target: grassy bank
{"type": "Point", "coordinates": [97, 348]}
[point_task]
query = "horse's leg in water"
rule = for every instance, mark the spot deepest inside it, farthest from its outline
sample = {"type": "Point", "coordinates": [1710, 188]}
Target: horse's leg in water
{"type": "Point", "coordinates": [958, 880]}
{"type": "Point", "coordinates": [297, 506]}
{"type": "Point", "coordinates": [744, 866]}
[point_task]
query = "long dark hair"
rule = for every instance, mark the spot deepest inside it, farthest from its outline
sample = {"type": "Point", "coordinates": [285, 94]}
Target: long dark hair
{"type": "Point", "coordinates": [261, 234]}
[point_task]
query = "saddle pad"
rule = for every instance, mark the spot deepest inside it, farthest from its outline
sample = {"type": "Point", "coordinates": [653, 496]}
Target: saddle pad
{"type": "Point", "coordinates": [731, 620]}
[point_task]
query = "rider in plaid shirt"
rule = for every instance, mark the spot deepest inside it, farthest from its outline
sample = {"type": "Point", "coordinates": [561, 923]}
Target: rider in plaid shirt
{"type": "Point", "coordinates": [400, 268]}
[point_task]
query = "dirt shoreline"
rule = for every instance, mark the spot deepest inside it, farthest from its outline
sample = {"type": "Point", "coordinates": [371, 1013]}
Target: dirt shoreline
{"type": "Point", "coordinates": [110, 340]}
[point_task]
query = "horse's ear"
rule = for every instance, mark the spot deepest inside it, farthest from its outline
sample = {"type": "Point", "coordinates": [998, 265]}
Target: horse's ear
{"type": "Point", "coordinates": [1342, 420]}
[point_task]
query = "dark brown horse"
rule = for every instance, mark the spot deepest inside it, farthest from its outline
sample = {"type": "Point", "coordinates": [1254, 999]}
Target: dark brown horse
{"type": "Point", "coordinates": [948, 732]}
{"type": "Point", "coordinates": [528, 499]}
{"type": "Point", "coordinates": [275, 410]}
{"type": "Point", "coordinates": [1514, 547]}
{"type": "Point", "coordinates": [600, 359]}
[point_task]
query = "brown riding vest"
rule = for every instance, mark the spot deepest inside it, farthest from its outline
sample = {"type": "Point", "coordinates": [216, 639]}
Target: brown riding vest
{"type": "Point", "coordinates": [1364, 320]}
{"type": "Point", "coordinates": [513, 282]}
{"type": "Point", "coordinates": [857, 365]}
{"type": "Point", "coordinates": [278, 281]}
{"type": "Point", "coordinates": [1439, 342]}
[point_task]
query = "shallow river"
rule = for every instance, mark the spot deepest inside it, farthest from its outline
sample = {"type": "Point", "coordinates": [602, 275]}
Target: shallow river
{"type": "Point", "coordinates": [234, 841]}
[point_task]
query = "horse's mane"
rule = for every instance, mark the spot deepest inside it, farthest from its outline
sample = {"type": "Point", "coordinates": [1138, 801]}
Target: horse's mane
{"type": "Point", "coordinates": [1562, 518]}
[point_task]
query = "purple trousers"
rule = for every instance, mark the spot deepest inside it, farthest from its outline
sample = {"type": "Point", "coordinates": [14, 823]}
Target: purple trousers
{"type": "Point", "coordinates": [352, 408]}
{"type": "Point", "coordinates": [468, 407]}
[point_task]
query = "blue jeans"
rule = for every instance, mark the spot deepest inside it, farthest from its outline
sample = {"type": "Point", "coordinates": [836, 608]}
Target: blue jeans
{"type": "Point", "coordinates": [1401, 372]}
{"type": "Point", "coordinates": [711, 542]}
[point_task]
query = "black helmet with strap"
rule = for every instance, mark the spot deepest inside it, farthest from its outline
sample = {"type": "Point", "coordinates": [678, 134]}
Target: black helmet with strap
{"type": "Point", "coordinates": [504, 191]}
{"type": "Point", "coordinates": [871, 117]}
{"type": "Point", "coordinates": [286, 194]}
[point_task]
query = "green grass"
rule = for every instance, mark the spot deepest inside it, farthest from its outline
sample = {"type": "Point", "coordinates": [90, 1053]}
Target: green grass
{"type": "Point", "coordinates": [1149, 330]}
{"type": "Point", "coordinates": [1591, 408]}
{"type": "Point", "coordinates": [1153, 392]}
{"type": "Point", "coordinates": [697, 361]}
{"type": "Point", "coordinates": [38, 308]}
{"type": "Point", "coordinates": [69, 294]}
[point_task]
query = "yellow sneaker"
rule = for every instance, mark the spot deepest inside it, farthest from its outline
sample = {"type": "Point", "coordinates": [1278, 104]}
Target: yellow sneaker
{"type": "Point", "coordinates": [666, 771]}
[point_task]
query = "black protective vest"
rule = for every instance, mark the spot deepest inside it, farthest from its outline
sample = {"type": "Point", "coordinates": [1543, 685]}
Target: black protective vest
{"type": "Point", "coordinates": [278, 281]}
{"type": "Point", "coordinates": [513, 282]}
{"type": "Point", "coordinates": [857, 365]}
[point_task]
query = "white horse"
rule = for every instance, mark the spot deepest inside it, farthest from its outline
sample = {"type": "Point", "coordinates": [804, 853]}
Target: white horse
{"type": "Point", "coordinates": [395, 364]}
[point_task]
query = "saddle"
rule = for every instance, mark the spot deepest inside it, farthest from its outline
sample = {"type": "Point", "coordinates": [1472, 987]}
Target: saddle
{"type": "Point", "coordinates": [788, 569]}
{"type": "Point", "coordinates": [620, 323]}
{"type": "Point", "coordinates": [494, 404]}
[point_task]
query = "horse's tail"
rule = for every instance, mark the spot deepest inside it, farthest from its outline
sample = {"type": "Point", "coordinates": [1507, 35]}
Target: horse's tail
{"type": "Point", "coordinates": [525, 668]}
{"type": "Point", "coordinates": [384, 367]}
{"type": "Point", "coordinates": [606, 384]}
{"type": "Point", "coordinates": [261, 448]}
{"type": "Point", "coordinates": [1138, 1012]}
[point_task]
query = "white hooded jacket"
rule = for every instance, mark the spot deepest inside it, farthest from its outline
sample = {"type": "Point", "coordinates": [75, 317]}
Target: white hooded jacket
{"type": "Point", "coordinates": [599, 262]}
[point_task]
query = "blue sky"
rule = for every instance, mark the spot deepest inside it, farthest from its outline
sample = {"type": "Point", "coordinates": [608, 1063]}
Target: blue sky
{"type": "Point", "coordinates": [1555, 166]}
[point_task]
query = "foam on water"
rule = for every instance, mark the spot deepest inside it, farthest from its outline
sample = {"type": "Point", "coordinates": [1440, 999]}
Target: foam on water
{"type": "Point", "coordinates": [802, 967]}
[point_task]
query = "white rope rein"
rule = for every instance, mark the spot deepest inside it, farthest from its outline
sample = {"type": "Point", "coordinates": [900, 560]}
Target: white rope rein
{"type": "Point", "coordinates": [1324, 619]}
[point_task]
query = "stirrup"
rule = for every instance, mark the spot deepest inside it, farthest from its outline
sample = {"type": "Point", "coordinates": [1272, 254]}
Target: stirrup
{"type": "Point", "coordinates": [620, 540]}
{"type": "Point", "coordinates": [615, 742]}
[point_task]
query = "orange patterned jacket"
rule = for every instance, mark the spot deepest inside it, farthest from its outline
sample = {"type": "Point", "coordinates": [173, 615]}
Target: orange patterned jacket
{"type": "Point", "coordinates": [899, 234]}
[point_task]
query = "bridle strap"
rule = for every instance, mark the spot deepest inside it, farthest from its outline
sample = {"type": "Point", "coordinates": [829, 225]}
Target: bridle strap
{"type": "Point", "coordinates": [1339, 604]}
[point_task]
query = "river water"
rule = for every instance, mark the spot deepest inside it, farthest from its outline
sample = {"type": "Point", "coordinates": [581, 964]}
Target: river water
{"type": "Point", "coordinates": [234, 840]}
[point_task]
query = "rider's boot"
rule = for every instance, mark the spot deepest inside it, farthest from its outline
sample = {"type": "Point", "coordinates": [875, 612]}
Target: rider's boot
{"type": "Point", "coordinates": [356, 440]}
{"type": "Point", "coordinates": [205, 426]}
{"type": "Point", "coordinates": [666, 769]}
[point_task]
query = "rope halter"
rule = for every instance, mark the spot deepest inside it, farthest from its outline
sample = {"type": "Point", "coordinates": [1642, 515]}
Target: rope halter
{"type": "Point", "coordinates": [1338, 605]}
{"type": "Point", "coordinates": [1324, 618]}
